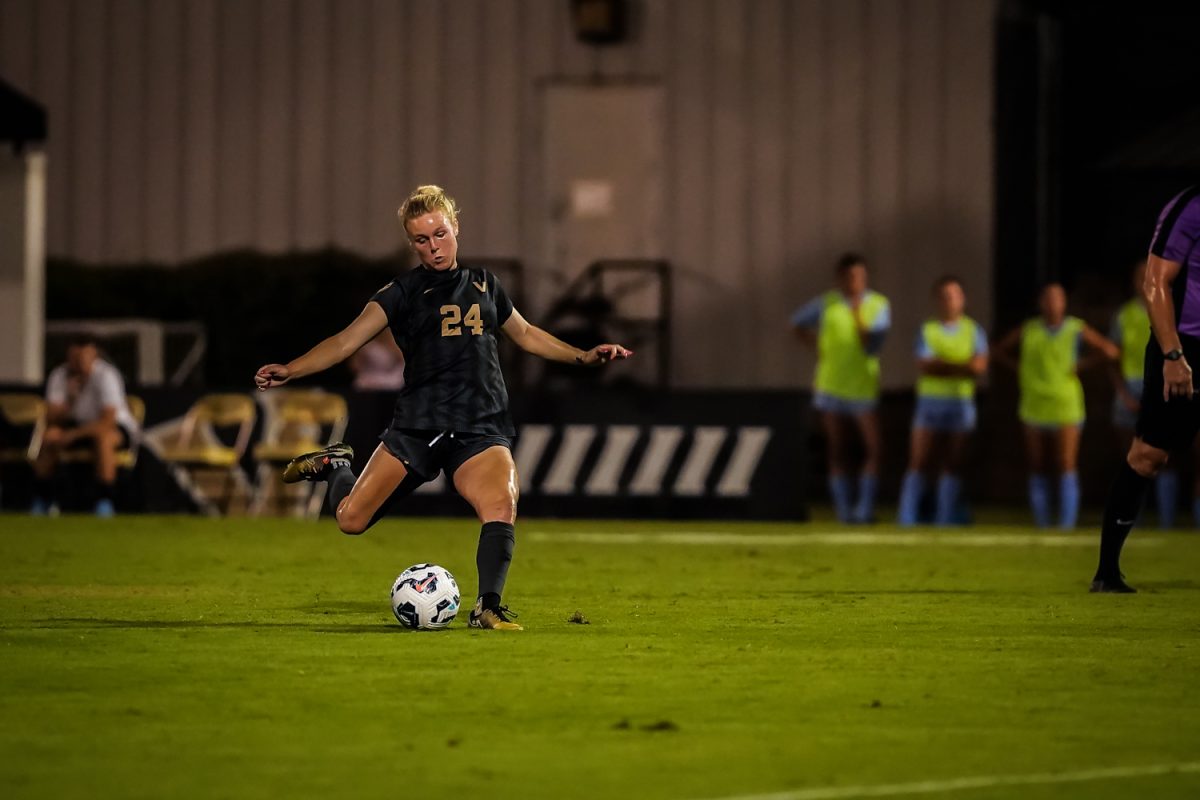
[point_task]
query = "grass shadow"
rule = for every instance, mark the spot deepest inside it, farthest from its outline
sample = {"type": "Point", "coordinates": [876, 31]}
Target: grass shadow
{"type": "Point", "coordinates": [339, 609]}
{"type": "Point", "coordinates": [1184, 585]}
{"type": "Point", "coordinates": [199, 624]}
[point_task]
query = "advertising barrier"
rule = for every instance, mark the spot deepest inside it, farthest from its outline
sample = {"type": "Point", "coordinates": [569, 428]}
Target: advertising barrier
{"type": "Point", "coordinates": [595, 453]}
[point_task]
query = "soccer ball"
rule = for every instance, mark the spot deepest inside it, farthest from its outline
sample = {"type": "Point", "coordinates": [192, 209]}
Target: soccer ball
{"type": "Point", "coordinates": [425, 597]}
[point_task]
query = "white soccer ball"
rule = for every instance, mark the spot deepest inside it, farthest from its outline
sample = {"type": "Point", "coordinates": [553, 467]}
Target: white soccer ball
{"type": "Point", "coordinates": [425, 597]}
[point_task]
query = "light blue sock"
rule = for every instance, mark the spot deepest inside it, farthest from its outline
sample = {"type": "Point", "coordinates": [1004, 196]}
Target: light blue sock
{"type": "Point", "coordinates": [839, 490]}
{"type": "Point", "coordinates": [910, 497]}
{"type": "Point", "coordinates": [1039, 500]}
{"type": "Point", "coordinates": [865, 510]}
{"type": "Point", "coordinates": [947, 499]}
{"type": "Point", "coordinates": [1166, 493]}
{"type": "Point", "coordinates": [1068, 499]}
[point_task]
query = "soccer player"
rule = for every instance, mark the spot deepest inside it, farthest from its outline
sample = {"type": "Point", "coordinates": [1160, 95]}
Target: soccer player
{"type": "Point", "coordinates": [847, 327]}
{"type": "Point", "coordinates": [85, 407]}
{"type": "Point", "coordinates": [952, 353]}
{"type": "Point", "coordinates": [1051, 398]}
{"type": "Point", "coordinates": [1131, 332]}
{"type": "Point", "coordinates": [1169, 416]}
{"type": "Point", "coordinates": [452, 413]}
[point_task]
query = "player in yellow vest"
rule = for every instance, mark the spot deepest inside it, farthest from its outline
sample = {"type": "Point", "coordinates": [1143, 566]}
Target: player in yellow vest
{"type": "Point", "coordinates": [952, 353]}
{"type": "Point", "coordinates": [1130, 331]}
{"type": "Point", "coordinates": [1051, 405]}
{"type": "Point", "coordinates": [847, 327]}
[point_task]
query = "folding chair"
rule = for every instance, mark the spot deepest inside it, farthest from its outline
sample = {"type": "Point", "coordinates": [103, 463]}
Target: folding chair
{"type": "Point", "coordinates": [295, 424]}
{"type": "Point", "coordinates": [199, 450]}
{"type": "Point", "coordinates": [22, 422]}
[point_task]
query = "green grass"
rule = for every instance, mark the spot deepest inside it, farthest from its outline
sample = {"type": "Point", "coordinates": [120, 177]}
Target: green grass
{"type": "Point", "coordinates": [179, 657]}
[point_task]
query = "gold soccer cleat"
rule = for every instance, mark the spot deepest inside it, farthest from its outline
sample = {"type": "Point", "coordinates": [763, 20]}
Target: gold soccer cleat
{"type": "Point", "coordinates": [316, 466]}
{"type": "Point", "coordinates": [496, 619]}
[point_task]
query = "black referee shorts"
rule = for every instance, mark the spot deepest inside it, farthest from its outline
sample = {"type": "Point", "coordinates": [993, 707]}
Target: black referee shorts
{"type": "Point", "coordinates": [1168, 425]}
{"type": "Point", "coordinates": [425, 453]}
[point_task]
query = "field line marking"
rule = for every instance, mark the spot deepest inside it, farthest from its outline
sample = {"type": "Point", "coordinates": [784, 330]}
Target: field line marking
{"type": "Point", "coordinates": [978, 782]}
{"type": "Point", "coordinates": [840, 538]}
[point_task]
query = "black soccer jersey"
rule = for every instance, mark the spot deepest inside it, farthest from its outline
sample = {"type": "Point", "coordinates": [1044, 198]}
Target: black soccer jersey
{"type": "Point", "coordinates": [447, 324]}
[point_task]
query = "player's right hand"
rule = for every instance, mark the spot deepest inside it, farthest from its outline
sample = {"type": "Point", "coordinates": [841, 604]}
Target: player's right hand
{"type": "Point", "coordinates": [1177, 379]}
{"type": "Point", "coordinates": [270, 376]}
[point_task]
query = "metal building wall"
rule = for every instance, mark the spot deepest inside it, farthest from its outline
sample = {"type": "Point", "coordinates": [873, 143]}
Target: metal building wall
{"type": "Point", "coordinates": [795, 129]}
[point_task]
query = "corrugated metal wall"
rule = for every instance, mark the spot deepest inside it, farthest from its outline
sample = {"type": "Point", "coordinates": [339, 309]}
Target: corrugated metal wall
{"type": "Point", "coordinates": [795, 129]}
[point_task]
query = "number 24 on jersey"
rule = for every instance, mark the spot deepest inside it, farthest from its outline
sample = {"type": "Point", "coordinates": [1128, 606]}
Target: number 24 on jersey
{"type": "Point", "coordinates": [453, 320]}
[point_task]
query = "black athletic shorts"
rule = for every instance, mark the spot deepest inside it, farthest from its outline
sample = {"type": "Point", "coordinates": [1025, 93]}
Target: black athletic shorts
{"type": "Point", "coordinates": [87, 444]}
{"type": "Point", "coordinates": [1173, 424]}
{"type": "Point", "coordinates": [425, 453]}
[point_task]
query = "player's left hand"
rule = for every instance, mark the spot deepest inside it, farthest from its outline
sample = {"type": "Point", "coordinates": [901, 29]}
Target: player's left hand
{"type": "Point", "coordinates": [603, 353]}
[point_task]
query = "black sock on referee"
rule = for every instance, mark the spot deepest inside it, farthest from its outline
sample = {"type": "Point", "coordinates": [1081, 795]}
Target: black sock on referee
{"type": "Point", "coordinates": [496, 541]}
{"type": "Point", "coordinates": [1120, 512]}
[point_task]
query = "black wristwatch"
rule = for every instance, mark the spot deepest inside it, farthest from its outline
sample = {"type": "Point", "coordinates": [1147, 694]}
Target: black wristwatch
{"type": "Point", "coordinates": [1173, 355]}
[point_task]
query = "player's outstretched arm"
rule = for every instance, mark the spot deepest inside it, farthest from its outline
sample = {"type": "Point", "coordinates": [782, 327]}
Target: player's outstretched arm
{"type": "Point", "coordinates": [334, 350]}
{"type": "Point", "coordinates": [1100, 343]}
{"type": "Point", "coordinates": [533, 339]}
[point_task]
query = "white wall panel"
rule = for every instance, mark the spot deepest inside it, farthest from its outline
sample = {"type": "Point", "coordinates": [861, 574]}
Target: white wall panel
{"type": "Point", "coordinates": [794, 129]}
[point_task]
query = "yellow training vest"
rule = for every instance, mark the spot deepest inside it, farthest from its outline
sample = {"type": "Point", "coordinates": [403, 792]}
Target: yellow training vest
{"type": "Point", "coordinates": [844, 368]}
{"type": "Point", "coordinates": [1051, 393]}
{"type": "Point", "coordinates": [954, 346]}
{"type": "Point", "coordinates": [1133, 323]}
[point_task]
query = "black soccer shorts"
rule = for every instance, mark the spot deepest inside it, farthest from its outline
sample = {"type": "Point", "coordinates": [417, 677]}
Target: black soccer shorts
{"type": "Point", "coordinates": [425, 453]}
{"type": "Point", "coordinates": [1168, 424]}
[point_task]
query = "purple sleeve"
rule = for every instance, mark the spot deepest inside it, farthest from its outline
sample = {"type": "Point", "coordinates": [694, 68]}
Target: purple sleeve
{"type": "Point", "coordinates": [1178, 227]}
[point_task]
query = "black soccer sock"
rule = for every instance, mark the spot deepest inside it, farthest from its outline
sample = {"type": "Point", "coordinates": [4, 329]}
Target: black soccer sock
{"type": "Point", "coordinates": [1125, 500]}
{"type": "Point", "coordinates": [341, 481]}
{"type": "Point", "coordinates": [106, 491]}
{"type": "Point", "coordinates": [496, 541]}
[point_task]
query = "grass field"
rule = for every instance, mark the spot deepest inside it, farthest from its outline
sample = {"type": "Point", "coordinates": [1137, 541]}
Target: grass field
{"type": "Point", "coordinates": [180, 657]}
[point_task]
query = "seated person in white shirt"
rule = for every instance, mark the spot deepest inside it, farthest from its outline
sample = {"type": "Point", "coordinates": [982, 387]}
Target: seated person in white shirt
{"type": "Point", "coordinates": [85, 407]}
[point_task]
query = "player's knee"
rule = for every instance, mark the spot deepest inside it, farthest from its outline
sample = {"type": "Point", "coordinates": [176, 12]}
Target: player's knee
{"type": "Point", "coordinates": [1145, 460]}
{"type": "Point", "coordinates": [351, 522]}
{"type": "Point", "coordinates": [500, 508]}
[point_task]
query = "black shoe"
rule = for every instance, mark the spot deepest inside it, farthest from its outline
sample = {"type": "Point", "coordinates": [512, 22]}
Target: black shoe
{"type": "Point", "coordinates": [316, 466]}
{"type": "Point", "coordinates": [1115, 585]}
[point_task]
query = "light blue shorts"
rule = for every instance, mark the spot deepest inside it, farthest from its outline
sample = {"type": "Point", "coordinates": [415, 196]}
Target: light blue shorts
{"type": "Point", "coordinates": [840, 405]}
{"type": "Point", "coordinates": [947, 414]}
{"type": "Point", "coordinates": [1122, 417]}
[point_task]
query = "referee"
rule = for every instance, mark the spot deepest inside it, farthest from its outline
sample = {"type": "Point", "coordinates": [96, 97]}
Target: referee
{"type": "Point", "coordinates": [1169, 417]}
